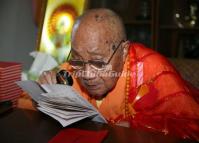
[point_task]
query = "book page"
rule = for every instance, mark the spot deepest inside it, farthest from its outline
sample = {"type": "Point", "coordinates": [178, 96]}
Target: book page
{"type": "Point", "coordinates": [32, 88]}
{"type": "Point", "coordinates": [61, 102]}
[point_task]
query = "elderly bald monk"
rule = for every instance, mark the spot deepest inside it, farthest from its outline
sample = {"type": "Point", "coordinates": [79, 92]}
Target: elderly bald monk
{"type": "Point", "coordinates": [128, 83]}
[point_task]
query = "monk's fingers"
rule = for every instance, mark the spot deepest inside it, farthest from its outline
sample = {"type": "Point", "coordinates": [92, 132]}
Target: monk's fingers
{"type": "Point", "coordinates": [53, 77]}
{"type": "Point", "coordinates": [48, 77]}
{"type": "Point", "coordinates": [42, 79]}
{"type": "Point", "coordinates": [45, 78]}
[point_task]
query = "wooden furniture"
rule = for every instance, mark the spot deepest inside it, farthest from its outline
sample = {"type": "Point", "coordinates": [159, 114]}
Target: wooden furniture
{"type": "Point", "coordinates": [173, 40]}
{"type": "Point", "coordinates": [152, 22]}
{"type": "Point", "coordinates": [22, 126]}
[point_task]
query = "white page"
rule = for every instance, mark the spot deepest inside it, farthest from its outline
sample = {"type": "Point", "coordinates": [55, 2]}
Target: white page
{"type": "Point", "coordinates": [71, 108]}
{"type": "Point", "coordinates": [98, 118]}
{"type": "Point", "coordinates": [61, 102]}
{"type": "Point", "coordinates": [55, 98]}
{"type": "Point", "coordinates": [32, 88]}
{"type": "Point", "coordinates": [65, 91]}
{"type": "Point", "coordinates": [61, 120]}
{"type": "Point", "coordinates": [68, 113]}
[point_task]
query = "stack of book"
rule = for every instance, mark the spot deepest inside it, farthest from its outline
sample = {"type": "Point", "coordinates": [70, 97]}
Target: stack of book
{"type": "Point", "coordinates": [10, 73]}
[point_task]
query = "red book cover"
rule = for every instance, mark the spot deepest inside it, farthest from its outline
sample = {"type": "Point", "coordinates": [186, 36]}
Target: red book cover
{"type": "Point", "coordinates": [73, 135]}
{"type": "Point", "coordinates": [8, 64]}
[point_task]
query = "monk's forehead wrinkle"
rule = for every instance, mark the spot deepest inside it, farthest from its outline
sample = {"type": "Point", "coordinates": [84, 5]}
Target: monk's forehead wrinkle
{"type": "Point", "coordinates": [97, 50]}
{"type": "Point", "coordinates": [93, 49]}
{"type": "Point", "coordinates": [89, 51]}
{"type": "Point", "coordinates": [75, 52]}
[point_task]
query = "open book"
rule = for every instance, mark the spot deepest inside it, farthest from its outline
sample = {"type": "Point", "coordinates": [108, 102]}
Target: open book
{"type": "Point", "coordinates": [61, 102]}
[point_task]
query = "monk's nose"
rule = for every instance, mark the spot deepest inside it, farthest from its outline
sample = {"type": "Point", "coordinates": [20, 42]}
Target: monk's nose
{"type": "Point", "coordinates": [89, 73]}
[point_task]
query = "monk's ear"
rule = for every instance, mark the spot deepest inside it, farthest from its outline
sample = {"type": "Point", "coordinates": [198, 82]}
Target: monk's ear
{"type": "Point", "coordinates": [126, 46]}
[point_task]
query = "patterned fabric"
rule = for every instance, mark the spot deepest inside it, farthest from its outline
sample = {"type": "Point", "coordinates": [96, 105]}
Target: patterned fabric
{"type": "Point", "coordinates": [170, 104]}
{"type": "Point", "coordinates": [189, 70]}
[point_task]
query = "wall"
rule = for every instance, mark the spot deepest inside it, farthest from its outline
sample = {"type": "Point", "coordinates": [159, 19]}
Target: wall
{"type": "Point", "coordinates": [17, 31]}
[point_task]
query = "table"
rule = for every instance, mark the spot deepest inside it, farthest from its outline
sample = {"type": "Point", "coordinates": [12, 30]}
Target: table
{"type": "Point", "coordinates": [26, 126]}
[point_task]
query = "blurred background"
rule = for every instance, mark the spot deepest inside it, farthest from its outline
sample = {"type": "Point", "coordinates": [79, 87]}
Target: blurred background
{"type": "Point", "coordinates": [18, 31]}
{"type": "Point", "coordinates": [170, 27]}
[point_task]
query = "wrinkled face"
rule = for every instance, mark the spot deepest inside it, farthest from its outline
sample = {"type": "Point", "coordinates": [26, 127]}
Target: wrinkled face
{"type": "Point", "coordinates": [91, 43]}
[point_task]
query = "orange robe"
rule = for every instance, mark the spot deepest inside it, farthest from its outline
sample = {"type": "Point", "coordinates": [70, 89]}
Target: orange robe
{"type": "Point", "coordinates": [157, 98]}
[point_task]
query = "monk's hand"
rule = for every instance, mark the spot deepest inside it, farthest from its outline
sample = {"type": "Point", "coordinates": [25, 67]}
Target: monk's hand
{"type": "Point", "coordinates": [48, 77]}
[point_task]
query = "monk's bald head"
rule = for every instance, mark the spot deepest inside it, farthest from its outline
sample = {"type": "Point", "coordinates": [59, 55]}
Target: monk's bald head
{"type": "Point", "coordinates": [100, 21]}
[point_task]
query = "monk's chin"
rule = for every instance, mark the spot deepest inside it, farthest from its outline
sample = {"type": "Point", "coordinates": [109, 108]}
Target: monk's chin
{"type": "Point", "coordinates": [97, 95]}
